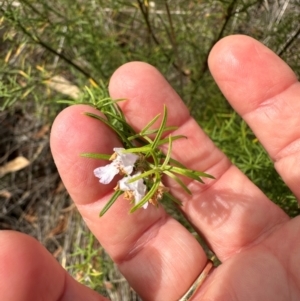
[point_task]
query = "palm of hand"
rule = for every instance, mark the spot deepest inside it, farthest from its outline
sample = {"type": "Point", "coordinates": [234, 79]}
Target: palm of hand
{"type": "Point", "coordinates": [268, 270]}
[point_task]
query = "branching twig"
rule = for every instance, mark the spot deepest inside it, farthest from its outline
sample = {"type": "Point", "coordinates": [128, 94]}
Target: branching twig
{"type": "Point", "coordinates": [289, 42]}
{"type": "Point", "coordinates": [145, 12]}
{"type": "Point", "coordinates": [39, 41]}
{"type": "Point", "coordinates": [173, 40]}
{"type": "Point", "coordinates": [228, 15]}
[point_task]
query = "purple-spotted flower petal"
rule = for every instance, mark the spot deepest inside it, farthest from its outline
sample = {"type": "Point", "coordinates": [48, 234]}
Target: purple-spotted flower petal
{"type": "Point", "coordinates": [126, 161]}
{"type": "Point", "coordinates": [106, 173]}
{"type": "Point", "coordinates": [137, 188]}
{"type": "Point", "coordinates": [122, 163]}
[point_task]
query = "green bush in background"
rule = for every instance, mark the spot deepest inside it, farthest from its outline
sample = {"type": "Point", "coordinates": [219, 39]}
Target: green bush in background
{"type": "Point", "coordinates": [68, 50]}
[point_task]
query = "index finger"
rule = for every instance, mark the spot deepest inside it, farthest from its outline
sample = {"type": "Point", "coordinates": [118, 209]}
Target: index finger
{"type": "Point", "coordinates": [156, 254]}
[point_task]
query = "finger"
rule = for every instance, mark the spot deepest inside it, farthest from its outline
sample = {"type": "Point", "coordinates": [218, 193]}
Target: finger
{"type": "Point", "coordinates": [272, 108]}
{"type": "Point", "coordinates": [230, 211]}
{"type": "Point", "coordinates": [156, 254]}
{"type": "Point", "coordinates": [29, 272]}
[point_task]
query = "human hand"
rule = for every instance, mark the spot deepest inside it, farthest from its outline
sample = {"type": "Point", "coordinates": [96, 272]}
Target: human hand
{"type": "Point", "coordinates": [257, 243]}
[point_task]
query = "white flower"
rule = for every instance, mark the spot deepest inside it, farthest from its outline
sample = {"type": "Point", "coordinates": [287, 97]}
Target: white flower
{"type": "Point", "coordinates": [122, 163]}
{"type": "Point", "coordinates": [137, 189]}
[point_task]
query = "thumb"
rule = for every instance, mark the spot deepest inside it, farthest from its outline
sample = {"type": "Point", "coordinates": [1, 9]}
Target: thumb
{"type": "Point", "coordinates": [29, 272]}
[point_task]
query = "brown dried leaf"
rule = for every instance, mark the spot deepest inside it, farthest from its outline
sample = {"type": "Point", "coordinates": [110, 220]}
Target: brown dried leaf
{"type": "Point", "coordinates": [68, 209]}
{"type": "Point", "coordinates": [42, 132]}
{"type": "Point", "coordinates": [62, 85]}
{"type": "Point", "coordinates": [108, 285]}
{"type": "Point", "coordinates": [60, 227]}
{"type": "Point", "coordinates": [57, 252]}
{"type": "Point", "coordinates": [60, 187]}
{"type": "Point", "coordinates": [5, 194]}
{"type": "Point", "coordinates": [30, 218]}
{"type": "Point", "coordinates": [14, 165]}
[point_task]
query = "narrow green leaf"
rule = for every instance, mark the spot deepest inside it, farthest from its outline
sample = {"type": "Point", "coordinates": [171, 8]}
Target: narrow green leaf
{"type": "Point", "coordinates": [148, 196]}
{"type": "Point", "coordinates": [161, 129]}
{"type": "Point", "coordinates": [175, 178]}
{"type": "Point", "coordinates": [186, 172]}
{"type": "Point", "coordinates": [116, 194]}
{"type": "Point", "coordinates": [150, 132]}
{"type": "Point", "coordinates": [203, 174]}
{"type": "Point", "coordinates": [92, 97]}
{"type": "Point", "coordinates": [166, 129]}
{"type": "Point", "coordinates": [110, 100]}
{"type": "Point", "coordinates": [171, 197]}
{"type": "Point", "coordinates": [121, 120]}
{"type": "Point", "coordinates": [142, 149]}
{"type": "Point", "coordinates": [96, 156]}
{"type": "Point", "coordinates": [163, 141]}
{"type": "Point", "coordinates": [143, 175]}
{"type": "Point", "coordinates": [168, 156]}
{"type": "Point", "coordinates": [119, 133]}
{"type": "Point", "coordinates": [68, 102]}
{"type": "Point", "coordinates": [199, 173]}
{"type": "Point", "coordinates": [149, 124]}
{"type": "Point", "coordinates": [177, 163]}
{"type": "Point", "coordinates": [194, 174]}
